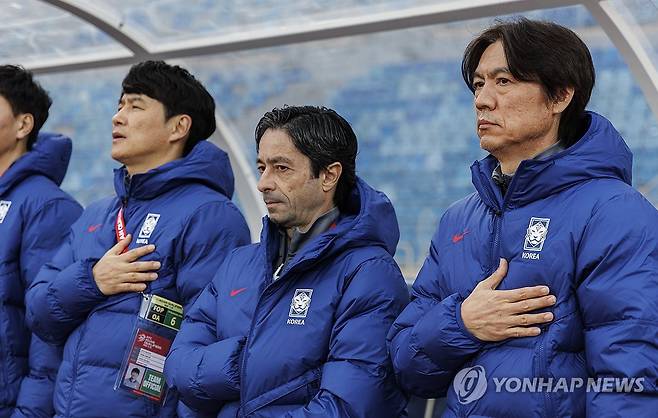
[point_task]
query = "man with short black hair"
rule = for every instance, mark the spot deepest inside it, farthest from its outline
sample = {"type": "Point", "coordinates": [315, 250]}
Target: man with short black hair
{"type": "Point", "coordinates": [35, 216]}
{"type": "Point", "coordinates": [295, 326]}
{"type": "Point", "coordinates": [538, 297]}
{"type": "Point", "coordinates": [135, 261]}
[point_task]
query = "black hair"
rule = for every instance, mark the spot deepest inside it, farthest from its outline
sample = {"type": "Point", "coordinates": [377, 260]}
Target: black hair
{"type": "Point", "coordinates": [25, 95]}
{"type": "Point", "coordinates": [178, 91]}
{"type": "Point", "coordinates": [323, 136]}
{"type": "Point", "coordinates": [135, 369]}
{"type": "Point", "coordinates": [547, 53]}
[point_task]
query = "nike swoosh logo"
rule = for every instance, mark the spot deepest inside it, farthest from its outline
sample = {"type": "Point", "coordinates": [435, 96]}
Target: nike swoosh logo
{"type": "Point", "coordinates": [92, 228]}
{"type": "Point", "coordinates": [237, 291]}
{"type": "Point", "coordinates": [458, 237]}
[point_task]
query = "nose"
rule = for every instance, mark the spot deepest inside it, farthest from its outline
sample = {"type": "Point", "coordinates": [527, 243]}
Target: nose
{"type": "Point", "coordinates": [118, 118]}
{"type": "Point", "coordinates": [265, 183]}
{"type": "Point", "coordinates": [485, 97]}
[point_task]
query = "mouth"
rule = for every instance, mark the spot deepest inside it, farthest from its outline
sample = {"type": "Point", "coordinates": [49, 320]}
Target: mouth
{"type": "Point", "coordinates": [116, 137]}
{"type": "Point", "coordinates": [484, 124]}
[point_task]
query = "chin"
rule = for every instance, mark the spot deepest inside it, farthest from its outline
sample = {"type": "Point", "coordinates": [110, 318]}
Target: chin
{"type": "Point", "coordinates": [490, 145]}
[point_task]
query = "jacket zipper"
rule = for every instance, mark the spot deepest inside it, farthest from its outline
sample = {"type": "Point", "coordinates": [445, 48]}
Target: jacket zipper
{"type": "Point", "coordinates": [124, 204]}
{"type": "Point", "coordinates": [543, 373]}
{"type": "Point", "coordinates": [243, 366]}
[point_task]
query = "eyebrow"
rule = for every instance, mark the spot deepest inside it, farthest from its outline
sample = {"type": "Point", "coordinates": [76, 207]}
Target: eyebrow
{"type": "Point", "coordinates": [275, 160]}
{"type": "Point", "coordinates": [493, 72]}
{"type": "Point", "coordinates": [131, 99]}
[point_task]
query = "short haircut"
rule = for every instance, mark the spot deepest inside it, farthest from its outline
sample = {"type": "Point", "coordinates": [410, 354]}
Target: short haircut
{"type": "Point", "coordinates": [323, 136]}
{"type": "Point", "coordinates": [25, 95]}
{"type": "Point", "coordinates": [135, 370]}
{"type": "Point", "coordinates": [179, 92]}
{"type": "Point", "coordinates": [545, 52]}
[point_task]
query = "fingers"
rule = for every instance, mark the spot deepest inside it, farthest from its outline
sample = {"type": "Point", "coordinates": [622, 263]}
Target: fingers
{"type": "Point", "coordinates": [532, 319]}
{"type": "Point", "coordinates": [497, 276]}
{"type": "Point", "coordinates": [524, 293]}
{"type": "Point", "coordinates": [144, 265]}
{"type": "Point", "coordinates": [120, 246]}
{"type": "Point", "coordinates": [533, 304]}
{"type": "Point", "coordinates": [133, 277]}
{"type": "Point", "coordinates": [520, 332]}
{"type": "Point", "coordinates": [138, 252]}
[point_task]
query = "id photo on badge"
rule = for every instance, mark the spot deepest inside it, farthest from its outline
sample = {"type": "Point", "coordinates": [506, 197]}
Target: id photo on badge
{"type": "Point", "coordinates": [134, 375]}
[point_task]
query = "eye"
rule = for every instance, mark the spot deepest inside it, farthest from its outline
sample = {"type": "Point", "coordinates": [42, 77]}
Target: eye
{"type": "Point", "coordinates": [260, 169]}
{"type": "Point", "coordinates": [477, 85]}
{"type": "Point", "coordinates": [502, 81]}
{"type": "Point", "coordinates": [281, 168]}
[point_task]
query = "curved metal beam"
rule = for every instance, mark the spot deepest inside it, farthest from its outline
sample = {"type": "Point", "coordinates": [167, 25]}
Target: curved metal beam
{"type": "Point", "coordinates": [103, 21]}
{"type": "Point", "coordinates": [305, 32]}
{"type": "Point", "coordinates": [629, 40]}
{"type": "Point", "coordinates": [252, 204]}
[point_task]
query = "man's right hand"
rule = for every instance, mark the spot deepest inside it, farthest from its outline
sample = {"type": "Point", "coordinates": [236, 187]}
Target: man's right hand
{"type": "Point", "coordinates": [118, 272]}
{"type": "Point", "coordinates": [495, 315]}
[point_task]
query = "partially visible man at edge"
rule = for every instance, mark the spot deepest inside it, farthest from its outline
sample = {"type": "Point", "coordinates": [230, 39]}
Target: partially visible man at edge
{"type": "Point", "coordinates": [35, 216]}
{"type": "Point", "coordinates": [295, 326]}
{"type": "Point", "coordinates": [173, 199]}
{"type": "Point", "coordinates": [549, 272]}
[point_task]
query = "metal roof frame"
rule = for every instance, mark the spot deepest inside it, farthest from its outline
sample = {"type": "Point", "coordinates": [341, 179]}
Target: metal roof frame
{"type": "Point", "coordinates": [625, 37]}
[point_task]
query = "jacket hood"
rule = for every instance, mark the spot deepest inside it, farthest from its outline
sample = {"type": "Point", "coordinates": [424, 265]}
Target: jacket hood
{"type": "Point", "coordinates": [600, 153]}
{"type": "Point", "coordinates": [48, 157]}
{"type": "Point", "coordinates": [206, 164]}
{"type": "Point", "coordinates": [368, 220]}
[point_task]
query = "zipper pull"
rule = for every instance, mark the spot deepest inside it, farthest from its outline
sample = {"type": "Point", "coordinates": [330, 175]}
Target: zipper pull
{"type": "Point", "coordinates": [275, 277]}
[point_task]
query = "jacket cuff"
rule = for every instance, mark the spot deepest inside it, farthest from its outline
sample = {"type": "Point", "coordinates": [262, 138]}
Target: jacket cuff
{"type": "Point", "coordinates": [76, 292]}
{"type": "Point", "coordinates": [441, 330]}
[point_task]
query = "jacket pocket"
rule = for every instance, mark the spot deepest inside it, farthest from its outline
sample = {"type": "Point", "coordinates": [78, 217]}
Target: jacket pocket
{"type": "Point", "coordinates": [287, 393]}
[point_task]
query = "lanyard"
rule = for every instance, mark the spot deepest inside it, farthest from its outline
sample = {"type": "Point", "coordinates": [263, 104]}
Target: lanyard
{"type": "Point", "coordinates": [120, 227]}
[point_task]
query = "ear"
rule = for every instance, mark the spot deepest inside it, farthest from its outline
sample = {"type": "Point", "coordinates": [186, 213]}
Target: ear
{"type": "Point", "coordinates": [180, 126]}
{"type": "Point", "coordinates": [24, 125]}
{"type": "Point", "coordinates": [330, 176]}
{"type": "Point", "coordinates": [563, 99]}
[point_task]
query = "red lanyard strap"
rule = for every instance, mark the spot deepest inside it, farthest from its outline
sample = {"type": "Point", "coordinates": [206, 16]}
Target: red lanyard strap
{"type": "Point", "coordinates": [120, 227]}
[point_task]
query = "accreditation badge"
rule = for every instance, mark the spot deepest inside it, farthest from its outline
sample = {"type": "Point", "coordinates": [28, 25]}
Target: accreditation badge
{"type": "Point", "coordinates": [142, 369]}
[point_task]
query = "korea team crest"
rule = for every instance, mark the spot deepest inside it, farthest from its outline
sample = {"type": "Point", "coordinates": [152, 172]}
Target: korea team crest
{"type": "Point", "coordinates": [4, 209]}
{"type": "Point", "coordinates": [148, 227]}
{"type": "Point", "coordinates": [536, 234]}
{"type": "Point", "coordinates": [299, 305]}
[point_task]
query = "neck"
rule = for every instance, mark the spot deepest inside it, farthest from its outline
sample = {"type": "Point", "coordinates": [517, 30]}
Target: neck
{"type": "Point", "coordinates": [8, 158]}
{"type": "Point", "coordinates": [154, 162]}
{"type": "Point", "coordinates": [326, 208]}
{"type": "Point", "coordinates": [509, 162]}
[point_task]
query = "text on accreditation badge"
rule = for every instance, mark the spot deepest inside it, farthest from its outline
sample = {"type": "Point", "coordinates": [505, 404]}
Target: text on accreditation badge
{"type": "Point", "coordinates": [143, 366]}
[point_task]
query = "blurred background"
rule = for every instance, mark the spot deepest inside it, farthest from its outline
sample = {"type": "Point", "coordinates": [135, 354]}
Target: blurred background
{"type": "Point", "coordinates": [390, 67]}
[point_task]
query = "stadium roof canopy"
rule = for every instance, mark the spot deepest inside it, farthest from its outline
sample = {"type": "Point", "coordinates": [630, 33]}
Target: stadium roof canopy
{"type": "Point", "coordinates": [55, 36]}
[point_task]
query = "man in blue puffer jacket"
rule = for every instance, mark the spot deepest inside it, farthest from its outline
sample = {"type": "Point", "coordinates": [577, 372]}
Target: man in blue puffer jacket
{"type": "Point", "coordinates": [35, 216]}
{"type": "Point", "coordinates": [173, 202]}
{"type": "Point", "coordinates": [295, 326]}
{"type": "Point", "coordinates": [540, 293]}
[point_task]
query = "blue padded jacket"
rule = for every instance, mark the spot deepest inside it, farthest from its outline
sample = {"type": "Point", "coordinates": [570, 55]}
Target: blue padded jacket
{"type": "Point", "coordinates": [35, 216]}
{"type": "Point", "coordinates": [197, 226]}
{"type": "Point", "coordinates": [571, 222]}
{"type": "Point", "coordinates": [311, 343]}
